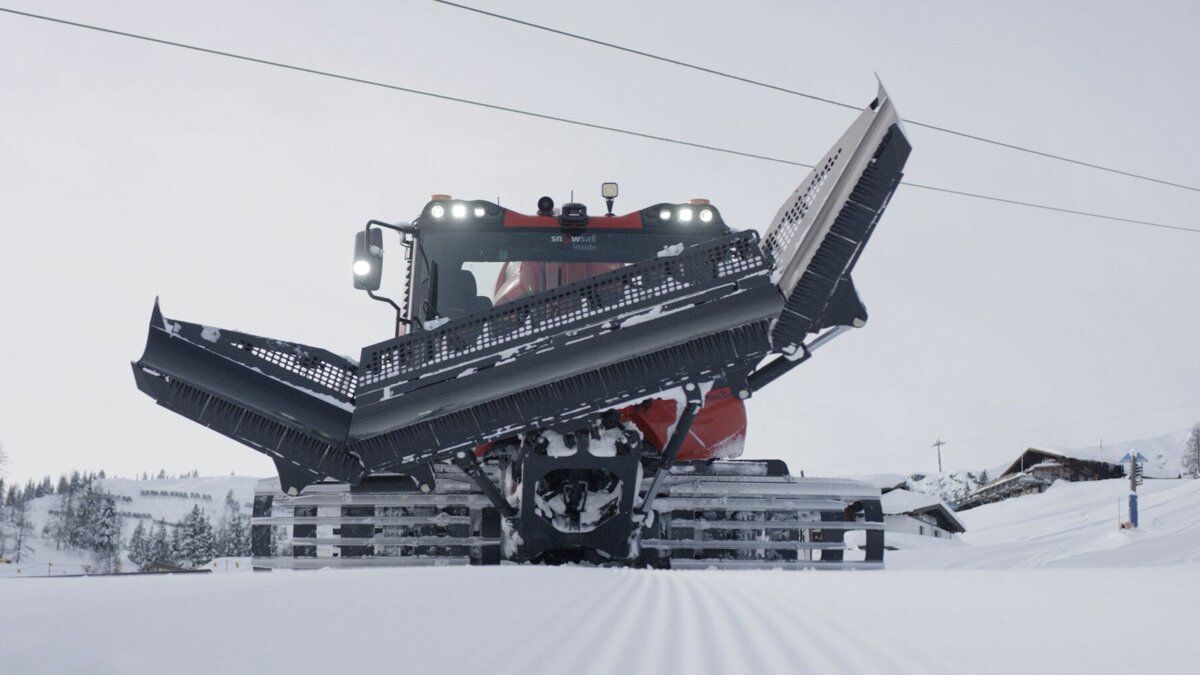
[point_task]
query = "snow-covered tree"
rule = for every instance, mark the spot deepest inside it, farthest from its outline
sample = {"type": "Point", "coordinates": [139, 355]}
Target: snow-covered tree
{"type": "Point", "coordinates": [1191, 454]}
{"type": "Point", "coordinates": [62, 526]}
{"type": "Point", "coordinates": [233, 533]}
{"type": "Point", "coordinates": [139, 546]}
{"type": "Point", "coordinates": [21, 528]}
{"type": "Point", "coordinates": [105, 535]}
{"type": "Point", "coordinates": [161, 552]}
{"type": "Point", "coordinates": [196, 544]}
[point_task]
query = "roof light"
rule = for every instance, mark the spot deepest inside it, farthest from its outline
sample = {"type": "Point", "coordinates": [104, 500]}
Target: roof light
{"type": "Point", "coordinates": [685, 215]}
{"type": "Point", "coordinates": [437, 211]}
{"type": "Point", "coordinates": [362, 268]}
{"type": "Point", "coordinates": [479, 211]}
{"type": "Point", "coordinates": [706, 215]}
{"type": "Point", "coordinates": [664, 214]}
{"type": "Point", "coordinates": [459, 211]}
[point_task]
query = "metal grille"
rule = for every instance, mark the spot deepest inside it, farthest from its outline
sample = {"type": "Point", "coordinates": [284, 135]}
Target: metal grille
{"type": "Point", "coordinates": [787, 224]}
{"type": "Point", "coordinates": [517, 324]}
{"type": "Point", "coordinates": [336, 378]}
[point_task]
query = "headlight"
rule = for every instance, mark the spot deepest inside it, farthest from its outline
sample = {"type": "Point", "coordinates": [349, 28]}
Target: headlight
{"type": "Point", "coordinates": [362, 268]}
{"type": "Point", "coordinates": [459, 211]}
{"type": "Point", "coordinates": [437, 211]}
{"type": "Point", "coordinates": [664, 214]}
{"type": "Point", "coordinates": [479, 211]}
{"type": "Point", "coordinates": [706, 216]}
{"type": "Point", "coordinates": [685, 215]}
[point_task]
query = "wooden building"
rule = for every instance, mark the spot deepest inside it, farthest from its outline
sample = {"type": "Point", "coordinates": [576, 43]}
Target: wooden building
{"type": "Point", "coordinates": [1035, 470]}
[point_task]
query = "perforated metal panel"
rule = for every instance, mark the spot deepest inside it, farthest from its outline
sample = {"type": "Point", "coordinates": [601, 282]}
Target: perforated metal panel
{"type": "Point", "coordinates": [518, 324]}
{"type": "Point", "coordinates": [335, 378]}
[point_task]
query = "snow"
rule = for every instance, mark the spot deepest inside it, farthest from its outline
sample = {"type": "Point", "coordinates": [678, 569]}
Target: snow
{"type": "Point", "coordinates": [671, 251]}
{"type": "Point", "coordinates": [883, 481]}
{"type": "Point", "coordinates": [904, 501]}
{"type": "Point", "coordinates": [1162, 452]}
{"type": "Point", "coordinates": [209, 333]}
{"type": "Point", "coordinates": [581, 620]}
{"type": "Point", "coordinates": [933, 610]}
{"type": "Point", "coordinates": [167, 499]}
{"type": "Point", "coordinates": [1075, 525]}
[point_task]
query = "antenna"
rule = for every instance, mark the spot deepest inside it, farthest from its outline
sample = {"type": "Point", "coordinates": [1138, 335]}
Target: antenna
{"type": "Point", "coordinates": [938, 444]}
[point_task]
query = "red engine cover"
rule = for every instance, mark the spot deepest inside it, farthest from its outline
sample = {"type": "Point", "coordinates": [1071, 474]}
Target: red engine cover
{"type": "Point", "coordinates": [718, 431]}
{"type": "Point", "coordinates": [720, 427]}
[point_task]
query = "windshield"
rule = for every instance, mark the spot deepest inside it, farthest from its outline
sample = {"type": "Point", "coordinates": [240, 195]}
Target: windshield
{"type": "Point", "coordinates": [478, 285]}
{"type": "Point", "coordinates": [478, 270]}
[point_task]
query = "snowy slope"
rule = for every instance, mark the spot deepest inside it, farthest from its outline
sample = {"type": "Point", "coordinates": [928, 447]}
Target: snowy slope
{"type": "Point", "coordinates": [1162, 452]}
{"type": "Point", "coordinates": [1074, 525]}
{"type": "Point", "coordinates": [145, 500]}
{"type": "Point", "coordinates": [514, 619]}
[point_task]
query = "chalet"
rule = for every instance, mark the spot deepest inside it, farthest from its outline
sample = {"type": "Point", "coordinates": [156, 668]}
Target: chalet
{"type": "Point", "coordinates": [1036, 469]}
{"type": "Point", "coordinates": [915, 513]}
{"type": "Point", "coordinates": [908, 515]}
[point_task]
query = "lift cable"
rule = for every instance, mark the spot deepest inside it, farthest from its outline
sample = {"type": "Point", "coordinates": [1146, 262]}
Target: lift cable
{"type": "Point", "coordinates": [813, 97]}
{"type": "Point", "coordinates": [564, 120]}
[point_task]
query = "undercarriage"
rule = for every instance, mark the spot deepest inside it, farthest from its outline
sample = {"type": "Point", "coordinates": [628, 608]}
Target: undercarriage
{"type": "Point", "coordinates": [725, 514]}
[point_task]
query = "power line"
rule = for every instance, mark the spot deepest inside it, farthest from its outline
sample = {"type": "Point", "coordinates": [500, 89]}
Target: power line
{"type": "Point", "coordinates": [563, 120]}
{"type": "Point", "coordinates": [813, 97]}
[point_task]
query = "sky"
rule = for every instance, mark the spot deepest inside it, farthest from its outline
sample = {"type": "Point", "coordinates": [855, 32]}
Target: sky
{"type": "Point", "coordinates": [232, 191]}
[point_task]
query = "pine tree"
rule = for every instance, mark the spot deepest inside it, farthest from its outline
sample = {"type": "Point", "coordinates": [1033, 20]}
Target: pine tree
{"type": "Point", "coordinates": [233, 535]}
{"type": "Point", "coordinates": [984, 479]}
{"type": "Point", "coordinates": [63, 486]}
{"type": "Point", "coordinates": [22, 528]}
{"type": "Point", "coordinates": [138, 546]}
{"type": "Point", "coordinates": [105, 535]}
{"type": "Point", "coordinates": [63, 526]}
{"type": "Point", "coordinates": [196, 542]}
{"type": "Point", "coordinates": [1191, 454]}
{"type": "Point", "coordinates": [161, 552]}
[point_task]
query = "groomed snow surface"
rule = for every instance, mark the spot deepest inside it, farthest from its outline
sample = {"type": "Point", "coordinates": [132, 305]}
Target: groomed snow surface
{"type": "Point", "coordinates": [578, 620]}
{"type": "Point", "coordinates": [1125, 602]}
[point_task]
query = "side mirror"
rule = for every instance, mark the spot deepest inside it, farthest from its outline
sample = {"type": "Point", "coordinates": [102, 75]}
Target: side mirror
{"type": "Point", "coordinates": [368, 259]}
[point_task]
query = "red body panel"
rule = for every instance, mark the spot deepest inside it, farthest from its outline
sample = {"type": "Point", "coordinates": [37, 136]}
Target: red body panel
{"type": "Point", "coordinates": [718, 430]}
{"type": "Point", "coordinates": [720, 427]}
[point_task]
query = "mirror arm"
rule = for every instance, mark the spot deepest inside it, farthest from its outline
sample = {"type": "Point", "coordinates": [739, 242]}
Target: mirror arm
{"type": "Point", "coordinates": [403, 229]}
{"type": "Point", "coordinates": [400, 320]}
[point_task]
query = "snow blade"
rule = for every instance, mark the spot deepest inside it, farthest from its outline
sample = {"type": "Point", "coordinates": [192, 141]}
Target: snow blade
{"type": "Point", "coordinates": [285, 400]}
{"type": "Point", "coordinates": [820, 231]}
{"type": "Point", "coordinates": [565, 354]}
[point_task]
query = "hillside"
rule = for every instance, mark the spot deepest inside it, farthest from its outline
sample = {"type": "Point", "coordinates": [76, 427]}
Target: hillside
{"type": "Point", "coordinates": [1163, 454]}
{"type": "Point", "coordinates": [1074, 525]}
{"type": "Point", "coordinates": [137, 500]}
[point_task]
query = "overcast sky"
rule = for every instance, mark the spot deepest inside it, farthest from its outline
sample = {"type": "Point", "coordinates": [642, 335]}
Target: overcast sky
{"type": "Point", "coordinates": [233, 191]}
